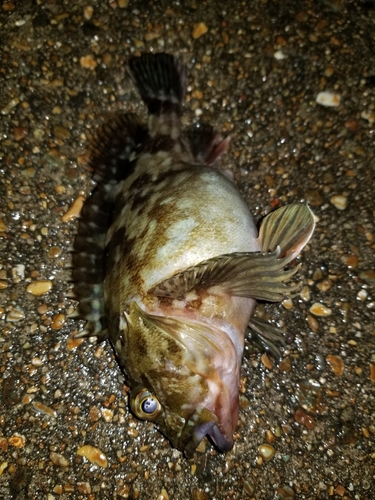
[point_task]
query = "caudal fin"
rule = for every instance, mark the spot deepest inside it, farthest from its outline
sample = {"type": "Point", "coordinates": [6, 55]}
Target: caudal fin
{"type": "Point", "coordinates": [160, 80]}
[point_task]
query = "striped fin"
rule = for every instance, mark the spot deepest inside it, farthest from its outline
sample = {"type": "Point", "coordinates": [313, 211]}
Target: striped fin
{"type": "Point", "coordinates": [160, 80]}
{"type": "Point", "coordinates": [255, 275]}
{"type": "Point", "coordinates": [289, 227]}
{"type": "Point", "coordinates": [110, 160]}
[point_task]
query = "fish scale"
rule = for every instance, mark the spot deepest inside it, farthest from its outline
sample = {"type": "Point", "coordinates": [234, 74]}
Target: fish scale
{"type": "Point", "coordinates": [169, 263]}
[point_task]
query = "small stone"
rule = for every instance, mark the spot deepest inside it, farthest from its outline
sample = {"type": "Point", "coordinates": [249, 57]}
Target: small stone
{"type": "Point", "coordinates": [58, 459]}
{"type": "Point", "coordinates": [58, 321]}
{"type": "Point", "coordinates": [93, 454]}
{"type": "Point", "coordinates": [270, 436]}
{"type": "Point", "coordinates": [314, 197]}
{"type": "Point", "coordinates": [11, 104]}
{"type": "Point", "coordinates": [266, 361]}
{"type": "Point", "coordinates": [318, 309]}
{"type": "Point", "coordinates": [350, 260]}
{"type": "Point", "coordinates": [279, 55]}
{"type": "Point", "coordinates": [339, 201]}
{"type": "Point", "coordinates": [84, 487]}
{"type": "Point", "coordinates": [19, 133]}
{"type": "Point", "coordinates": [61, 132]}
{"type": "Point", "coordinates": [286, 493]}
{"type": "Point", "coordinates": [3, 466]}
{"type": "Point", "coordinates": [369, 116]}
{"type": "Point", "coordinates": [122, 3]}
{"type": "Point", "coordinates": [199, 30]}
{"type": "Point", "coordinates": [368, 276]}
{"type": "Point", "coordinates": [17, 440]}
{"type": "Point", "coordinates": [74, 209]}
{"type": "Point", "coordinates": [108, 417]}
{"type": "Point", "coordinates": [266, 451]}
{"type": "Point", "coordinates": [163, 495]}
{"type": "Point", "coordinates": [88, 62]}
{"type": "Point", "coordinates": [325, 285]}
{"type": "Point", "coordinates": [372, 372]}
{"type": "Point", "coordinates": [54, 252]}
{"type": "Point", "coordinates": [287, 303]}
{"type": "Point", "coordinates": [313, 323]}
{"type": "Point", "coordinates": [304, 419]}
{"type": "Point", "coordinates": [44, 409]}
{"type": "Point", "coordinates": [336, 364]}
{"type": "Point", "coordinates": [3, 226]}
{"type": "Point", "coordinates": [329, 99]}
{"type": "Point", "coordinates": [15, 315]}
{"type": "Point", "coordinates": [8, 6]}
{"type": "Point", "coordinates": [88, 12]}
{"type": "Point", "coordinates": [40, 287]}
{"type": "Point", "coordinates": [286, 365]}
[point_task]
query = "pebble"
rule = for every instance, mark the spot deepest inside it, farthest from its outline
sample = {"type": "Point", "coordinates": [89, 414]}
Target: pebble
{"type": "Point", "coordinates": [336, 364]}
{"type": "Point", "coordinates": [318, 309]}
{"type": "Point", "coordinates": [3, 466]}
{"type": "Point", "coordinates": [372, 372]}
{"type": "Point", "coordinates": [266, 361]}
{"type": "Point", "coordinates": [339, 201]}
{"type": "Point", "coordinates": [88, 62]}
{"type": "Point", "coordinates": [15, 315]}
{"type": "Point", "coordinates": [286, 365]}
{"type": "Point", "coordinates": [325, 285]}
{"type": "Point", "coordinates": [11, 390]}
{"type": "Point", "coordinates": [58, 321]}
{"type": "Point", "coordinates": [19, 133]}
{"type": "Point", "coordinates": [304, 419]}
{"type": "Point", "coordinates": [88, 12]}
{"type": "Point", "coordinates": [3, 226]}
{"type": "Point", "coordinates": [368, 276]}
{"type": "Point", "coordinates": [74, 210]}
{"type": "Point", "coordinates": [122, 3]}
{"type": "Point", "coordinates": [279, 55]}
{"type": "Point", "coordinates": [369, 116]}
{"type": "Point", "coordinates": [93, 454]}
{"type": "Point", "coordinates": [44, 409]}
{"type": "Point", "coordinates": [163, 495]}
{"type": "Point", "coordinates": [54, 252]}
{"type": "Point", "coordinates": [38, 288]}
{"type": "Point", "coordinates": [17, 440]}
{"type": "Point", "coordinates": [199, 30]}
{"type": "Point", "coordinates": [266, 451]}
{"type": "Point", "coordinates": [329, 99]}
{"type": "Point", "coordinates": [61, 132]}
{"type": "Point", "coordinates": [58, 459]}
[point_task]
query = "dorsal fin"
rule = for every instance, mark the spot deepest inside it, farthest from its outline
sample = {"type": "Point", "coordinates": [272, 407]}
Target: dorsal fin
{"type": "Point", "coordinates": [111, 158]}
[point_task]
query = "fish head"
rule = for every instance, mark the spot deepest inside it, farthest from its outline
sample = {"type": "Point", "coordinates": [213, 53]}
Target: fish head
{"type": "Point", "coordinates": [181, 378]}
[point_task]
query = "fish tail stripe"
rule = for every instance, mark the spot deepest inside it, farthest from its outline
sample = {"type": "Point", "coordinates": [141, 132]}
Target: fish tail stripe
{"type": "Point", "coordinates": [111, 156]}
{"type": "Point", "coordinates": [160, 80]}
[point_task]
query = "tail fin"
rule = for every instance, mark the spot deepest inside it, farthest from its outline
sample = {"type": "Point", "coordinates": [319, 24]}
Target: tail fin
{"type": "Point", "coordinates": [160, 80]}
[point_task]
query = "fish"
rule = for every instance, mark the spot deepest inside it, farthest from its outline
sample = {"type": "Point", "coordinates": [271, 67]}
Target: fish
{"type": "Point", "coordinates": [168, 263]}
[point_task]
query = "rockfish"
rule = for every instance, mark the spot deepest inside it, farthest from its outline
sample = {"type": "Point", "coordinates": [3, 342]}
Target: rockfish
{"type": "Point", "coordinates": [168, 263]}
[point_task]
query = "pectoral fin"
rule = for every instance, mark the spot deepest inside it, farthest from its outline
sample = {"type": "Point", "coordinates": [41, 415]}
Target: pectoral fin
{"type": "Point", "coordinates": [256, 275]}
{"type": "Point", "coordinates": [290, 228]}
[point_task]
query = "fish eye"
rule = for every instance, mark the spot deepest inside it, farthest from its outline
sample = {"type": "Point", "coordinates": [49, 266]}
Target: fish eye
{"type": "Point", "coordinates": [145, 405]}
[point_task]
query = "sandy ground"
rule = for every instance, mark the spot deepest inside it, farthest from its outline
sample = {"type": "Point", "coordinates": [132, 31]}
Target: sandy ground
{"type": "Point", "coordinates": [255, 70]}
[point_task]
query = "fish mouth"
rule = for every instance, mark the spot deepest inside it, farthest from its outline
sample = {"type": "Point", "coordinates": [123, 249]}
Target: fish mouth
{"type": "Point", "coordinates": [208, 428]}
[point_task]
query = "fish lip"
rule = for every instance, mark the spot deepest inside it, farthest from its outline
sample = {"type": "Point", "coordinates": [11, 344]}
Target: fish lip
{"type": "Point", "coordinates": [210, 429]}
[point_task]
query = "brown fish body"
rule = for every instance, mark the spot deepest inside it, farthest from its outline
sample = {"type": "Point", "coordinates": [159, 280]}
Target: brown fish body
{"type": "Point", "coordinates": [183, 264]}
